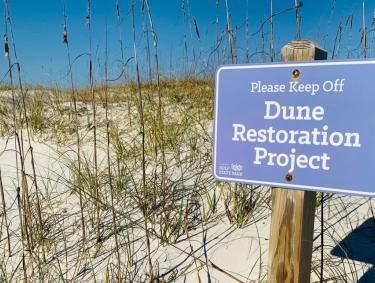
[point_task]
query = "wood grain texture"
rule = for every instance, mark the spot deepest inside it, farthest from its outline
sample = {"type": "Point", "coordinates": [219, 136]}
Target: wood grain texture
{"type": "Point", "coordinates": [293, 212]}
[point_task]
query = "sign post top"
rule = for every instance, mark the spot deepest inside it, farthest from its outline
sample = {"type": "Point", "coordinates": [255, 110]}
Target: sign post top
{"type": "Point", "coordinates": [302, 49]}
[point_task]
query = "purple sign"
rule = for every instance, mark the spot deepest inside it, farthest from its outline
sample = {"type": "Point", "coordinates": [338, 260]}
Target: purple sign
{"type": "Point", "coordinates": [307, 126]}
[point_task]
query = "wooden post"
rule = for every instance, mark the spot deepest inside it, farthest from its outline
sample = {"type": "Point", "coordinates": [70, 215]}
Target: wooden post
{"type": "Point", "coordinates": [292, 224]}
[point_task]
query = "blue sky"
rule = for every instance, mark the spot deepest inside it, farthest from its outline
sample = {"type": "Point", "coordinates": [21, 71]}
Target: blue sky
{"type": "Point", "coordinates": [38, 26]}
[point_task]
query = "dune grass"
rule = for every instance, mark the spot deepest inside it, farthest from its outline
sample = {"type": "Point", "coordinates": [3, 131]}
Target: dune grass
{"type": "Point", "coordinates": [113, 183]}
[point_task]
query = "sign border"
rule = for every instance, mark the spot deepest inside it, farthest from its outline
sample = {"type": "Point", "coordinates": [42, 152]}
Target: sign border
{"type": "Point", "coordinates": [280, 65]}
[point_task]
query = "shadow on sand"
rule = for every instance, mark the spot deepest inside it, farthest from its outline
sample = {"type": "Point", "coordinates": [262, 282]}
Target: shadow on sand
{"type": "Point", "coordinates": [359, 245]}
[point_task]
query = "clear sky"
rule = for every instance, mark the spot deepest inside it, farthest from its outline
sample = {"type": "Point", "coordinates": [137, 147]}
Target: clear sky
{"type": "Point", "coordinates": [38, 27]}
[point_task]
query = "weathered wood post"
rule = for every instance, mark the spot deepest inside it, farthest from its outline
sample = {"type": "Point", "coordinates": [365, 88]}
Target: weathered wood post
{"type": "Point", "coordinates": [292, 224]}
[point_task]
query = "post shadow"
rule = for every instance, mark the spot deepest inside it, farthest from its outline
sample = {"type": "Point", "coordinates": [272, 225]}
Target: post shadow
{"type": "Point", "coordinates": [359, 245]}
{"type": "Point", "coordinates": [368, 277]}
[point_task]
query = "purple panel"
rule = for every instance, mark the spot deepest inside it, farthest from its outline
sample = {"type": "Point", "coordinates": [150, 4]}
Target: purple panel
{"type": "Point", "coordinates": [318, 128]}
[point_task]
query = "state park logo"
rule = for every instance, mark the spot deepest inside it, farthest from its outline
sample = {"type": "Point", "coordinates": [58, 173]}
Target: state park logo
{"type": "Point", "coordinates": [235, 170]}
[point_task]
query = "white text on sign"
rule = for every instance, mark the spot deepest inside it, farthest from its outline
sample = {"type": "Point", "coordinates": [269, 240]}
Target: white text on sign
{"type": "Point", "coordinates": [318, 136]}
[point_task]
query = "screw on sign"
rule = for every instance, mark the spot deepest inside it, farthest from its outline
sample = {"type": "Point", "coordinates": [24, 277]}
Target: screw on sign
{"type": "Point", "coordinates": [296, 73]}
{"type": "Point", "coordinates": [288, 177]}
